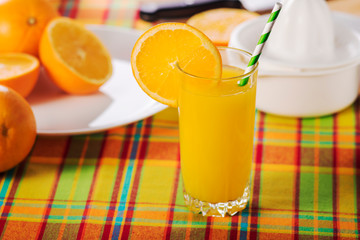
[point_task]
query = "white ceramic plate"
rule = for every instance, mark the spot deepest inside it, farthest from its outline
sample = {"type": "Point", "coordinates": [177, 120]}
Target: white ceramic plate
{"type": "Point", "coordinates": [120, 101]}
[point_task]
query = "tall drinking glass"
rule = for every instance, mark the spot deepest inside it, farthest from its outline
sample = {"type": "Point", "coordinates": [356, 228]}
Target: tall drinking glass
{"type": "Point", "coordinates": [216, 136]}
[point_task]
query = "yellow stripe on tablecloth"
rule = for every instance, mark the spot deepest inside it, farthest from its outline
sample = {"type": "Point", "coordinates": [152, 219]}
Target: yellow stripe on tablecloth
{"type": "Point", "coordinates": [346, 118]}
{"type": "Point", "coordinates": [307, 169]}
{"type": "Point", "coordinates": [105, 180]}
{"type": "Point", "coordinates": [345, 129]}
{"type": "Point", "coordinates": [156, 182]}
{"type": "Point", "coordinates": [317, 138]}
{"type": "Point", "coordinates": [37, 181]}
{"type": "Point", "coordinates": [347, 193]}
{"type": "Point", "coordinates": [277, 188]}
{"type": "Point", "coordinates": [160, 163]}
{"type": "Point", "coordinates": [169, 114]}
{"type": "Point", "coordinates": [73, 188]}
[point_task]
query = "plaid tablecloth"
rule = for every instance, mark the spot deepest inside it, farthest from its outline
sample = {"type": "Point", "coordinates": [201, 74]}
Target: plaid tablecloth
{"type": "Point", "coordinates": [124, 183]}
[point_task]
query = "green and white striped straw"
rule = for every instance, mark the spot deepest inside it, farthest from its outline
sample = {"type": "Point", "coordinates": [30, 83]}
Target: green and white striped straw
{"type": "Point", "coordinates": [260, 45]}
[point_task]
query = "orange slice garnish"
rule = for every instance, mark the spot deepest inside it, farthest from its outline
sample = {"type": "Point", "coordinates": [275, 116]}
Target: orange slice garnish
{"type": "Point", "coordinates": [158, 51]}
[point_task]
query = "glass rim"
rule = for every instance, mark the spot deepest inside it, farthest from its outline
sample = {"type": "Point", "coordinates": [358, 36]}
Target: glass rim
{"type": "Point", "coordinates": [228, 78]}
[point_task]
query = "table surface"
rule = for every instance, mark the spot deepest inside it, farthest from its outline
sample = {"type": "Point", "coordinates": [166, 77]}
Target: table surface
{"type": "Point", "coordinates": [125, 182]}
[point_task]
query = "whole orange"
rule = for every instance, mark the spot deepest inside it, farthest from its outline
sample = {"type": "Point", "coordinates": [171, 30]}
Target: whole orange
{"type": "Point", "coordinates": [17, 128]}
{"type": "Point", "coordinates": [22, 23]}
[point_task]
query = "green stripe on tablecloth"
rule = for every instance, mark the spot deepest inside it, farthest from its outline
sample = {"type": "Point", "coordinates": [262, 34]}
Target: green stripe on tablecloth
{"type": "Point", "coordinates": [325, 192]}
{"type": "Point", "coordinates": [306, 191]}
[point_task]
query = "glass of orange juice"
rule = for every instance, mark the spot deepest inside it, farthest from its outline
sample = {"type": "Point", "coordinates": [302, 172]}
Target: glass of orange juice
{"type": "Point", "coordinates": [216, 119]}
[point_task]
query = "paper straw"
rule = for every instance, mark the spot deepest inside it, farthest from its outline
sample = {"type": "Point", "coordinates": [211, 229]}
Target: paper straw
{"type": "Point", "coordinates": [260, 45]}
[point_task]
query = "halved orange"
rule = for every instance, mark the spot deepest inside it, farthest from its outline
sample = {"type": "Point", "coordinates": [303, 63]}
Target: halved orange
{"type": "Point", "coordinates": [19, 71]}
{"type": "Point", "coordinates": [218, 23]}
{"type": "Point", "coordinates": [158, 50]}
{"type": "Point", "coordinates": [74, 57]}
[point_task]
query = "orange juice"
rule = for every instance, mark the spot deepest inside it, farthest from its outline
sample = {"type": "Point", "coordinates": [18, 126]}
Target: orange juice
{"type": "Point", "coordinates": [216, 136]}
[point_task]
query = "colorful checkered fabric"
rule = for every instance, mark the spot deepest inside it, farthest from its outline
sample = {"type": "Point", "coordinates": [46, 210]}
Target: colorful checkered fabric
{"type": "Point", "coordinates": [125, 183]}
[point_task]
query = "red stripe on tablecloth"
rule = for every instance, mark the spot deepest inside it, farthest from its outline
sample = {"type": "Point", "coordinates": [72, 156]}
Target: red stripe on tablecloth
{"type": "Point", "coordinates": [61, 8]}
{"type": "Point", "coordinates": [257, 179]}
{"type": "Point", "coordinates": [143, 147]}
{"type": "Point", "coordinates": [297, 163]}
{"type": "Point", "coordinates": [8, 204]}
{"type": "Point", "coordinates": [234, 226]}
{"type": "Point", "coordinates": [123, 156]}
{"type": "Point", "coordinates": [173, 198]}
{"type": "Point", "coordinates": [357, 162]}
{"type": "Point", "coordinates": [106, 12]}
{"type": "Point", "coordinates": [54, 188]}
{"type": "Point", "coordinates": [94, 178]}
{"type": "Point", "coordinates": [74, 10]}
{"type": "Point", "coordinates": [136, 17]}
{"type": "Point", "coordinates": [208, 227]}
{"type": "Point", "coordinates": [335, 175]}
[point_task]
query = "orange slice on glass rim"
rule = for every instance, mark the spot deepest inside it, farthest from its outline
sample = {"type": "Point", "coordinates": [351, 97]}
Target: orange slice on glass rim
{"type": "Point", "coordinates": [157, 52]}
